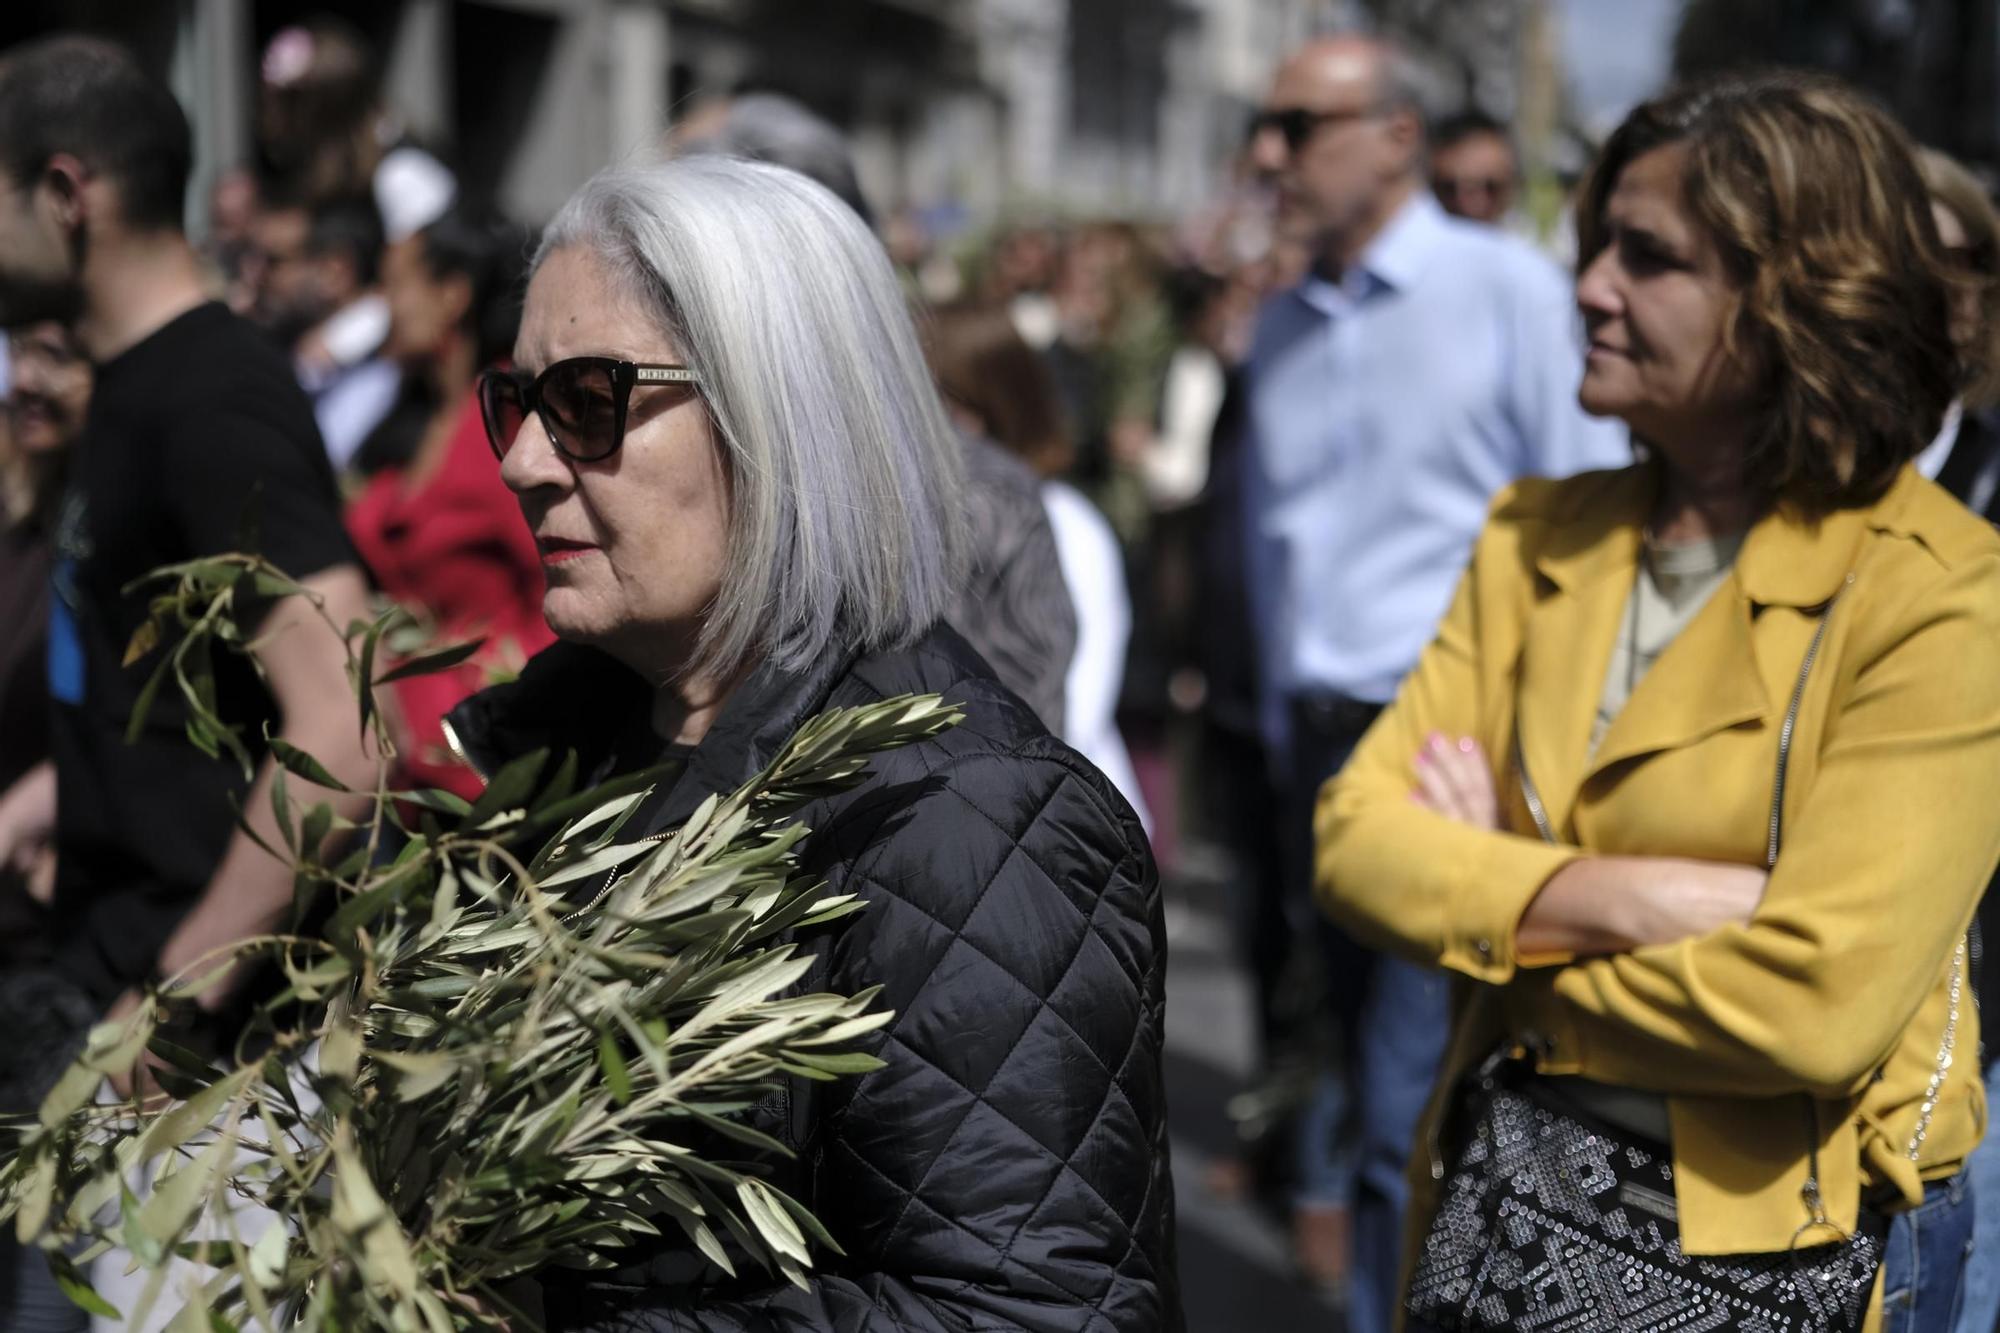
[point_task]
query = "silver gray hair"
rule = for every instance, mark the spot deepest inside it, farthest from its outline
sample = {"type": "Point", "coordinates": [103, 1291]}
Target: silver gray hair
{"type": "Point", "coordinates": [846, 527]}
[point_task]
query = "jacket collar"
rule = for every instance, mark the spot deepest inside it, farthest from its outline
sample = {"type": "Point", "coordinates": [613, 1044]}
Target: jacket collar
{"type": "Point", "coordinates": [576, 698]}
{"type": "Point", "coordinates": [1784, 560]}
{"type": "Point", "coordinates": [1711, 677]}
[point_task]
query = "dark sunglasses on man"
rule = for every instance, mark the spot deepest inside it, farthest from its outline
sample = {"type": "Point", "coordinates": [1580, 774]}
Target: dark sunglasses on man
{"type": "Point", "coordinates": [1298, 124]}
{"type": "Point", "coordinates": [581, 400]}
{"type": "Point", "coordinates": [1454, 188]}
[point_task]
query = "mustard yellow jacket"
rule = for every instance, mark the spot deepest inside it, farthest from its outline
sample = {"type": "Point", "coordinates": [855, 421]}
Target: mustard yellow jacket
{"type": "Point", "coordinates": [1825, 1014]}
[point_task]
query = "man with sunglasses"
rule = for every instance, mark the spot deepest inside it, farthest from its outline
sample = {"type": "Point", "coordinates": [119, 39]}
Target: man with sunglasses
{"type": "Point", "coordinates": [1474, 172]}
{"type": "Point", "coordinates": [196, 435]}
{"type": "Point", "coordinates": [1421, 365]}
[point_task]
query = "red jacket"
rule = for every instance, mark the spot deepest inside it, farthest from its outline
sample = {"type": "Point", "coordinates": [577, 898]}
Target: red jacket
{"type": "Point", "coordinates": [456, 550]}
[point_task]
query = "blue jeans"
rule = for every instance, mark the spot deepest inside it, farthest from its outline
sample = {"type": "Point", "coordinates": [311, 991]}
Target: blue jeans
{"type": "Point", "coordinates": [1398, 1047]}
{"type": "Point", "coordinates": [30, 1300]}
{"type": "Point", "coordinates": [1392, 1018]}
{"type": "Point", "coordinates": [1980, 1312]}
{"type": "Point", "coordinates": [1924, 1267]}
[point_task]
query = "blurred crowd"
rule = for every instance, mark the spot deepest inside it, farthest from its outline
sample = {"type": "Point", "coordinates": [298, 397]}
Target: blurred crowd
{"type": "Point", "coordinates": [1214, 631]}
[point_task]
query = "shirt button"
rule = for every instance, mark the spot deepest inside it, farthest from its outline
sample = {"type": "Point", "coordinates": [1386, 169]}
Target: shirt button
{"type": "Point", "coordinates": [1485, 948]}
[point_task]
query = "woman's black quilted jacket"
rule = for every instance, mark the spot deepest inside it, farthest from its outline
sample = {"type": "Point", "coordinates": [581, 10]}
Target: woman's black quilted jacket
{"type": "Point", "coordinates": [1007, 1168]}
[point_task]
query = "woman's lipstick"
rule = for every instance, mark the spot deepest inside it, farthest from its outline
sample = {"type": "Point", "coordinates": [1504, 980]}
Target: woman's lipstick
{"type": "Point", "coordinates": [557, 550]}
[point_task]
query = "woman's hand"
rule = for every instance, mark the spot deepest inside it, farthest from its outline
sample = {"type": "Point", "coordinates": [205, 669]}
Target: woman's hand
{"type": "Point", "coordinates": [1601, 904]}
{"type": "Point", "coordinates": [1454, 779]}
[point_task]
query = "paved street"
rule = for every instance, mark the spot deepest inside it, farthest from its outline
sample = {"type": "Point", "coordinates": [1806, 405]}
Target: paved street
{"type": "Point", "coordinates": [1235, 1271]}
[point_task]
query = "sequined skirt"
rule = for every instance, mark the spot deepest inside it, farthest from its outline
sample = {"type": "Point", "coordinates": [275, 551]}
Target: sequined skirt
{"type": "Point", "coordinates": [1552, 1220]}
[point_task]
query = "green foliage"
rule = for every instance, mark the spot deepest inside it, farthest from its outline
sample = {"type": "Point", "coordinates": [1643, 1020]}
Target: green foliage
{"type": "Point", "coordinates": [520, 1042]}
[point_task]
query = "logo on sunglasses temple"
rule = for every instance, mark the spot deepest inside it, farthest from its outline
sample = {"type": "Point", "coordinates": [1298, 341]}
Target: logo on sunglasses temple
{"type": "Point", "coordinates": [665, 375]}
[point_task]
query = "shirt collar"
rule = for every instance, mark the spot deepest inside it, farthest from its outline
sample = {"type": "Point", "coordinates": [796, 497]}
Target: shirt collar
{"type": "Point", "coordinates": [1931, 461]}
{"type": "Point", "coordinates": [1401, 250]}
{"type": "Point", "coordinates": [1395, 259]}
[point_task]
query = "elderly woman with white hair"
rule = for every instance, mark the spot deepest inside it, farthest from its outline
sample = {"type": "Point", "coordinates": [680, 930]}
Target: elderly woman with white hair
{"type": "Point", "coordinates": [722, 432]}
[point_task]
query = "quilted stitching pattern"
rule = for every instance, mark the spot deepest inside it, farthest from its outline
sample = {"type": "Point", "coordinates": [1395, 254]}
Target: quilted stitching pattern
{"type": "Point", "coordinates": [1006, 1169]}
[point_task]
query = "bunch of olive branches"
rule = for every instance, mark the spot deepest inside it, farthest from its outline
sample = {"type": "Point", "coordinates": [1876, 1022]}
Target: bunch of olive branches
{"type": "Point", "coordinates": [519, 1041]}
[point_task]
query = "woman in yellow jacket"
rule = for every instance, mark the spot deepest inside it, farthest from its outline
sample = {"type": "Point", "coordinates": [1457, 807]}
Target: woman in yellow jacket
{"type": "Point", "coordinates": [1570, 803]}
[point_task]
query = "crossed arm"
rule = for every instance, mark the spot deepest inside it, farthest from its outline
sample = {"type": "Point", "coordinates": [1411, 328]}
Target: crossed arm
{"type": "Point", "coordinates": [1597, 904]}
{"type": "Point", "coordinates": [1686, 977]}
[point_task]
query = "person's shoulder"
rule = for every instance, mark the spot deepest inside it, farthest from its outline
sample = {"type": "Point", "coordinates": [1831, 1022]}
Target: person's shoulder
{"type": "Point", "coordinates": [999, 757]}
{"type": "Point", "coordinates": [941, 662]}
{"type": "Point", "coordinates": [1505, 260]}
{"type": "Point", "coordinates": [1077, 522]}
{"type": "Point", "coordinates": [208, 360]}
{"type": "Point", "coordinates": [1933, 526]}
{"type": "Point", "coordinates": [1544, 501]}
{"type": "Point", "coordinates": [1002, 493]}
{"type": "Point", "coordinates": [1279, 318]}
{"type": "Point", "coordinates": [207, 334]}
{"type": "Point", "coordinates": [991, 468]}
{"type": "Point", "coordinates": [1927, 572]}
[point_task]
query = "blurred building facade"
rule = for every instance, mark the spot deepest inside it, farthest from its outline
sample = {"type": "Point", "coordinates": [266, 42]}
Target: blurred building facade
{"type": "Point", "coordinates": [984, 106]}
{"type": "Point", "coordinates": [1935, 63]}
{"type": "Point", "coordinates": [989, 105]}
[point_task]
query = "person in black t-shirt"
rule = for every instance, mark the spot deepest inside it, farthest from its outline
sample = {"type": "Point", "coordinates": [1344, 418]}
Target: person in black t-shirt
{"type": "Point", "coordinates": [197, 434]}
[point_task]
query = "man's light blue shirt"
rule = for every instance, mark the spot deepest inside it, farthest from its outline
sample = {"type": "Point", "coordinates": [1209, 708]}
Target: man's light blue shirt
{"type": "Point", "coordinates": [1384, 413]}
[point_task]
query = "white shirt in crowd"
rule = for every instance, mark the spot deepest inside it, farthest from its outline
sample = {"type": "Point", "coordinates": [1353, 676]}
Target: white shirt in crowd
{"type": "Point", "coordinates": [1093, 570]}
{"type": "Point", "coordinates": [1176, 468]}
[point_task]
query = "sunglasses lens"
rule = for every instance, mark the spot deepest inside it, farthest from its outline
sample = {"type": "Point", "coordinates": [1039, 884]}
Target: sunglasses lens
{"type": "Point", "coordinates": [579, 403]}
{"type": "Point", "coordinates": [500, 404]}
{"type": "Point", "coordinates": [1293, 124]}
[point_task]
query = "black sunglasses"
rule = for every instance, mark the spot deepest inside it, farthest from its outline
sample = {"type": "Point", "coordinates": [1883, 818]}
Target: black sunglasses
{"type": "Point", "coordinates": [1455, 187]}
{"type": "Point", "coordinates": [581, 401]}
{"type": "Point", "coordinates": [1297, 123]}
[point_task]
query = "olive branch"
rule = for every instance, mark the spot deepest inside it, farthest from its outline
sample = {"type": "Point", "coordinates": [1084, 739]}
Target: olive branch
{"type": "Point", "coordinates": [521, 1040]}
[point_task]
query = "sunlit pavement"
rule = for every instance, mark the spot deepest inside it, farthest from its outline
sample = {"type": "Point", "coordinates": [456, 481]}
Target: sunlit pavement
{"type": "Point", "coordinates": [1236, 1273]}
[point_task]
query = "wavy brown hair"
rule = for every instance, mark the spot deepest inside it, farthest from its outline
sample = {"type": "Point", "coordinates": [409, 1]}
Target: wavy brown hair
{"type": "Point", "coordinates": [1813, 197]}
{"type": "Point", "coordinates": [1959, 193]}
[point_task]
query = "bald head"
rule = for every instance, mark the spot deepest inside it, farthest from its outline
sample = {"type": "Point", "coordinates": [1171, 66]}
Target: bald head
{"type": "Point", "coordinates": [1342, 134]}
{"type": "Point", "coordinates": [1348, 71]}
{"type": "Point", "coordinates": [1347, 68]}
